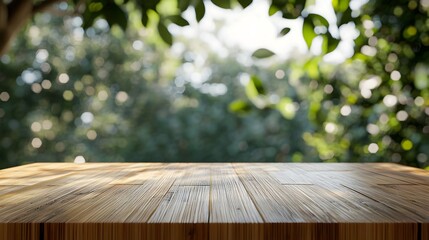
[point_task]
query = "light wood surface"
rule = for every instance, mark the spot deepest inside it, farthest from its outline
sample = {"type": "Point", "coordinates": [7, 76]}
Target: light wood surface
{"type": "Point", "coordinates": [214, 201]}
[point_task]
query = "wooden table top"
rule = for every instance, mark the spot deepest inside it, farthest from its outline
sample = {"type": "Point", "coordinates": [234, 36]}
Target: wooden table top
{"type": "Point", "coordinates": [222, 201]}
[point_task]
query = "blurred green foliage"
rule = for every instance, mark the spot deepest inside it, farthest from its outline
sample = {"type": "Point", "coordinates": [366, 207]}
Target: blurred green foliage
{"type": "Point", "coordinates": [113, 95]}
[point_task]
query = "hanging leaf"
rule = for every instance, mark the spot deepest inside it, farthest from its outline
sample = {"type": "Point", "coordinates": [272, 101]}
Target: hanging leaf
{"type": "Point", "coordinates": [340, 5]}
{"type": "Point", "coordinates": [148, 4]}
{"type": "Point", "coordinates": [245, 3]}
{"type": "Point", "coordinates": [240, 106]}
{"type": "Point", "coordinates": [332, 43]}
{"type": "Point", "coordinates": [164, 33]}
{"type": "Point", "coordinates": [262, 53]}
{"type": "Point", "coordinates": [222, 3]}
{"type": "Point", "coordinates": [308, 32]}
{"type": "Point", "coordinates": [318, 20]}
{"type": "Point", "coordinates": [145, 18]}
{"type": "Point", "coordinates": [284, 31]}
{"type": "Point", "coordinates": [286, 108]}
{"type": "Point", "coordinates": [254, 87]}
{"type": "Point", "coordinates": [178, 20]}
{"type": "Point", "coordinates": [345, 16]}
{"type": "Point", "coordinates": [88, 19]}
{"type": "Point", "coordinates": [200, 10]}
{"type": "Point", "coordinates": [183, 4]}
{"type": "Point", "coordinates": [115, 15]}
{"type": "Point", "coordinates": [255, 91]}
{"type": "Point", "coordinates": [273, 10]}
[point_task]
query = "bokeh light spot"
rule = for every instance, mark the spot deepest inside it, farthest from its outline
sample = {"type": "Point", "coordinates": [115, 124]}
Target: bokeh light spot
{"type": "Point", "coordinates": [102, 95]}
{"type": "Point", "coordinates": [46, 84]}
{"type": "Point", "coordinates": [390, 100]}
{"type": "Point", "coordinates": [63, 78]}
{"type": "Point", "coordinates": [395, 75]}
{"type": "Point", "coordinates": [346, 110]}
{"type": "Point", "coordinates": [328, 89]}
{"type": "Point", "coordinates": [87, 117]}
{"type": "Point", "coordinates": [402, 115]}
{"type": "Point", "coordinates": [91, 135]}
{"type": "Point", "coordinates": [4, 96]}
{"type": "Point", "coordinates": [372, 129]}
{"type": "Point", "coordinates": [36, 87]}
{"type": "Point", "coordinates": [280, 74]}
{"type": "Point", "coordinates": [47, 124]}
{"type": "Point", "coordinates": [79, 159]}
{"type": "Point", "coordinates": [331, 128]}
{"type": "Point", "coordinates": [42, 55]}
{"type": "Point", "coordinates": [36, 127]}
{"type": "Point", "coordinates": [407, 144]}
{"type": "Point", "coordinates": [36, 143]}
{"type": "Point", "coordinates": [373, 148]}
{"type": "Point", "coordinates": [121, 97]}
{"type": "Point", "coordinates": [68, 95]}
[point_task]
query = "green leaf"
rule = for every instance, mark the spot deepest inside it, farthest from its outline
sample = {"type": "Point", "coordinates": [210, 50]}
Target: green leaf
{"type": "Point", "coordinates": [240, 106]}
{"type": "Point", "coordinates": [279, 2]}
{"type": "Point", "coordinates": [324, 44]}
{"type": "Point", "coordinates": [88, 18]}
{"type": "Point", "coordinates": [145, 18]}
{"type": "Point", "coordinates": [318, 20]}
{"type": "Point", "coordinates": [308, 32]}
{"type": "Point", "coordinates": [183, 4]}
{"type": "Point", "coordinates": [332, 43]}
{"type": "Point", "coordinates": [254, 87]}
{"type": "Point", "coordinates": [340, 5]}
{"type": "Point", "coordinates": [273, 10]}
{"type": "Point", "coordinates": [148, 4]}
{"type": "Point", "coordinates": [284, 31]}
{"type": "Point", "coordinates": [262, 53]}
{"type": "Point", "coordinates": [344, 17]}
{"type": "Point", "coordinates": [245, 3]}
{"type": "Point", "coordinates": [164, 33]}
{"type": "Point", "coordinates": [222, 3]}
{"type": "Point", "coordinates": [178, 20]}
{"type": "Point", "coordinates": [312, 67]}
{"type": "Point", "coordinates": [286, 108]}
{"type": "Point", "coordinates": [200, 10]}
{"type": "Point", "coordinates": [310, 3]}
{"type": "Point", "coordinates": [255, 91]}
{"type": "Point", "coordinates": [115, 15]}
{"type": "Point", "coordinates": [292, 9]}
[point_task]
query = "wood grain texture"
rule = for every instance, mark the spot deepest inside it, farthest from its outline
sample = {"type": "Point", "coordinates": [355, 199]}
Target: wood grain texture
{"type": "Point", "coordinates": [214, 201]}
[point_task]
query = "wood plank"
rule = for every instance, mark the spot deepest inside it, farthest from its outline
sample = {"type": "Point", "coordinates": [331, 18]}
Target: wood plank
{"type": "Point", "coordinates": [6, 189]}
{"type": "Point", "coordinates": [232, 210]}
{"type": "Point", "coordinates": [214, 201]}
{"type": "Point", "coordinates": [273, 201]}
{"type": "Point", "coordinates": [195, 175]}
{"type": "Point", "coordinates": [230, 202]}
{"type": "Point", "coordinates": [183, 204]}
{"type": "Point", "coordinates": [419, 213]}
{"type": "Point", "coordinates": [39, 202]}
{"type": "Point", "coordinates": [365, 203]}
{"type": "Point", "coordinates": [122, 203]}
{"type": "Point", "coordinates": [292, 177]}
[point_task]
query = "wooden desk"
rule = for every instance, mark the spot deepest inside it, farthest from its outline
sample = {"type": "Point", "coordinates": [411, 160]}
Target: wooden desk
{"type": "Point", "coordinates": [222, 201]}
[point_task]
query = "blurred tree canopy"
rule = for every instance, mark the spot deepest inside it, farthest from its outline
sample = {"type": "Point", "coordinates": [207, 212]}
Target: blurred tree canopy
{"type": "Point", "coordinates": [72, 86]}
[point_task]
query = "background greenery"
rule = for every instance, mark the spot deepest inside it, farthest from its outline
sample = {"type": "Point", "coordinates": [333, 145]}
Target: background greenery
{"type": "Point", "coordinates": [113, 95]}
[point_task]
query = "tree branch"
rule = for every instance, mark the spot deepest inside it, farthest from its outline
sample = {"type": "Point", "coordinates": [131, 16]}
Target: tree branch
{"type": "Point", "coordinates": [3, 15]}
{"type": "Point", "coordinates": [18, 12]}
